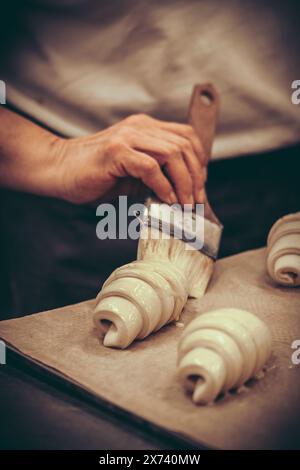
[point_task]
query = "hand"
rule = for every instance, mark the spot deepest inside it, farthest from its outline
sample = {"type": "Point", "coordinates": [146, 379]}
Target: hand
{"type": "Point", "coordinates": [133, 154]}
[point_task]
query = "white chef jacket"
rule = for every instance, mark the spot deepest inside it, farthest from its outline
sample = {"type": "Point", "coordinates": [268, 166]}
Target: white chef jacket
{"type": "Point", "coordinates": [78, 66]}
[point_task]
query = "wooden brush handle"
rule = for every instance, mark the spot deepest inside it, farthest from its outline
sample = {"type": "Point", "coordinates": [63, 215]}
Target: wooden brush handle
{"type": "Point", "coordinates": [203, 114]}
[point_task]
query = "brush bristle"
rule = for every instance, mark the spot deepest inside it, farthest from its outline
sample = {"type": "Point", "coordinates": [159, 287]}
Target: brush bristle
{"type": "Point", "coordinates": [196, 266]}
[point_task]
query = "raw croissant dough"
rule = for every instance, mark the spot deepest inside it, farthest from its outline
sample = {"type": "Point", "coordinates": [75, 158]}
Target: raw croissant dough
{"type": "Point", "coordinates": [283, 255]}
{"type": "Point", "coordinates": [137, 299]}
{"type": "Point", "coordinates": [220, 350]}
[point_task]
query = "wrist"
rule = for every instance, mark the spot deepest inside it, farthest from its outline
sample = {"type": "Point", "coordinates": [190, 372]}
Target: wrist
{"type": "Point", "coordinates": [54, 169]}
{"type": "Point", "coordinates": [30, 156]}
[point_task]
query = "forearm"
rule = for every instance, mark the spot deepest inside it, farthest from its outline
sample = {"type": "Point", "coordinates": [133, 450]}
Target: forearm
{"type": "Point", "coordinates": [98, 166]}
{"type": "Point", "coordinates": [28, 156]}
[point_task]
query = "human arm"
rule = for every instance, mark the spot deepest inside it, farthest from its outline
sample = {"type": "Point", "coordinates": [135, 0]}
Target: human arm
{"type": "Point", "coordinates": [102, 165]}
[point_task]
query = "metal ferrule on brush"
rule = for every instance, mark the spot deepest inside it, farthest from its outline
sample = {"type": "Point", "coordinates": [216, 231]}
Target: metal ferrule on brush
{"type": "Point", "coordinates": [190, 226]}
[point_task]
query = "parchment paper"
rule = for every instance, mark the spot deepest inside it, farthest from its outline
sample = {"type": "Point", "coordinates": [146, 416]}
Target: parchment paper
{"type": "Point", "coordinates": [141, 379]}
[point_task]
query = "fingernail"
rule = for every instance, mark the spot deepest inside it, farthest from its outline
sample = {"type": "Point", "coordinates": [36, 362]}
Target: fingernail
{"type": "Point", "coordinates": [201, 196]}
{"type": "Point", "coordinates": [190, 200]}
{"type": "Point", "coordinates": [172, 199]}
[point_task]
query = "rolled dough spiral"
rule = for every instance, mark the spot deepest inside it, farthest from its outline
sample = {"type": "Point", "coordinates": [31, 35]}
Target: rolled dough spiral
{"type": "Point", "coordinates": [220, 350]}
{"type": "Point", "coordinates": [283, 250]}
{"type": "Point", "coordinates": [137, 299]}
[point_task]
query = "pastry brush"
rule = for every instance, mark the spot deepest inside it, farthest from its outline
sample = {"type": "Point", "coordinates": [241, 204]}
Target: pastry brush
{"type": "Point", "coordinates": [189, 239]}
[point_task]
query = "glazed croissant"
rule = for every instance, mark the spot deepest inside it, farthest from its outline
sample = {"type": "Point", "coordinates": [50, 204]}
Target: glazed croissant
{"type": "Point", "coordinates": [220, 350]}
{"type": "Point", "coordinates": [283, 250]}
{"type": "Point", "coordinates": [137, 299]}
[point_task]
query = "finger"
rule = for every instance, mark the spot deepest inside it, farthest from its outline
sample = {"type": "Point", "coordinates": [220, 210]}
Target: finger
{"type": "Point", "coordinates": [167, 144]}
{"type": "Point", "coordinates": [186, 131]}
{"type": "Point", "coordinates": [169, 151]}
{"type": "Point", "coordinates": [142, 166]}
{"type": "Point", "coordinates": [143, 121]}
{"type": "Point", "coordinates": [181, 178]}
{"type": "Point", "coordinates": [194, 167]}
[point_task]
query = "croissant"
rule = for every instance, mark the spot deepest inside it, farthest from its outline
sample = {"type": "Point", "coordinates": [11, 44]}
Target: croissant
{"type": "Point", "coordinates": [138, 299]}
{"type": "Point", "coordinates": [219, 351]}
{"type": "Point", "coordinates": [283, 250]}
